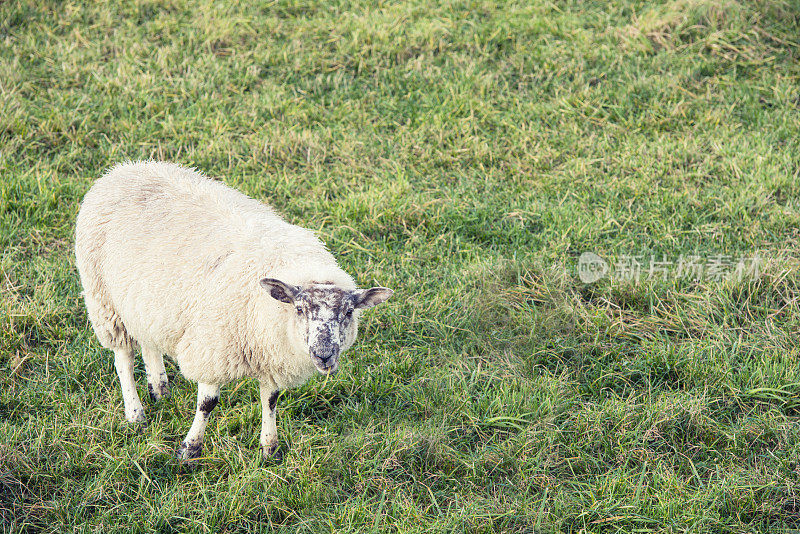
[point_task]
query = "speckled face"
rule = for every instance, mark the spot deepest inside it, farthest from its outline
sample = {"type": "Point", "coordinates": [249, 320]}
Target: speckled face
{"type": "Point", "coordinates": [329, 315]}
{"type": "Point", "coordinates": [325, 317]}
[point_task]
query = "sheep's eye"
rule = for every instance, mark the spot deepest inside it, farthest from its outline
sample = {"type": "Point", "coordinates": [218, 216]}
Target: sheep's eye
{"type": "Point", "coordinates": [349, 314]}
{"type": "Point", "coordinates": [299, 310]}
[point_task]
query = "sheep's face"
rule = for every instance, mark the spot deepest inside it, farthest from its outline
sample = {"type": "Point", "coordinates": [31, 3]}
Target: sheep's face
{"type": "Point", "coordinates": [323, 318]}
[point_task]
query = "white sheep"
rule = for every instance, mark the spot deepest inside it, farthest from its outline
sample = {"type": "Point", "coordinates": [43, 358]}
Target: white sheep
{"type": "Point", "coordinates": [185, 266]}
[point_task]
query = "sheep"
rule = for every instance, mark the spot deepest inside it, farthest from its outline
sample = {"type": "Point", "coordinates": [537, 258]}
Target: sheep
{"type": "Point", "coordinates": [179, 264]}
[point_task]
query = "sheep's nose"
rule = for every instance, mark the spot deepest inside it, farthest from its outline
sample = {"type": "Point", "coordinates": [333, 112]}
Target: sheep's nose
{"type": "Point", "coordinates": [326, 353]}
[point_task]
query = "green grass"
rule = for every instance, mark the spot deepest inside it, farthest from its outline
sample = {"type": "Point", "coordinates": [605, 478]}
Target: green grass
{"type": "Point", "coordinates": [464, 154]}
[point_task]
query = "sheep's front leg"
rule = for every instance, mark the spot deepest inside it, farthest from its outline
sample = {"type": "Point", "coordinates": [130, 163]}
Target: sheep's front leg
{"type": "Point", "coordinates": [269, 431]}
{"type": "Point", "coordinates": [123, 362]}
{"type": "Point", "coordinates": [207, 398]}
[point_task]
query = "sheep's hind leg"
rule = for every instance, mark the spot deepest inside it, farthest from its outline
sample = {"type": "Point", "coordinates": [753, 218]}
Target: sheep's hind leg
{"type": "Point", "coordinates": [123, 361]}
{"type": "Point", "coordinates": [192, 445]}
{"type": "Point", "coordinates": [157, 383]}
{"type": "Point", "coordinates": [269, 431]}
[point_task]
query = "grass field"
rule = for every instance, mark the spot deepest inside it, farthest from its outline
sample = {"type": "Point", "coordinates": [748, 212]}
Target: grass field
{"type": "Point", "coordinates": [464, 154]}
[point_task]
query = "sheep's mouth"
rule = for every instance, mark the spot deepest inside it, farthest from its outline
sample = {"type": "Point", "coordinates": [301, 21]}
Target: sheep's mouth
{"type": "Point", "coordinates": [327, 368]}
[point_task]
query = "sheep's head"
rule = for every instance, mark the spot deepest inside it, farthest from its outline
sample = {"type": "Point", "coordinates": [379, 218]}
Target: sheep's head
{"type": "Point", "coordinates": [324, 318]}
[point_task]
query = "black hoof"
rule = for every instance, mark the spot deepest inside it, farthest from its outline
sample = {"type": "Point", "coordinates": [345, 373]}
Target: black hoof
{"type": "Point", "coordinates": [136, 419]}
{"type": "Point", "coordinates": [188, 452]}
{"type": "Point", "coordinates": [273, 453]}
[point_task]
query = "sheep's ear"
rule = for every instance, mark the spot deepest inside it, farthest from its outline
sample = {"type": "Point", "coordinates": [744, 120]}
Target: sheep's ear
{"type": "Point", "coordinates": [280, 290]}
{"type": "Point", "coordinates": [367, 298]}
